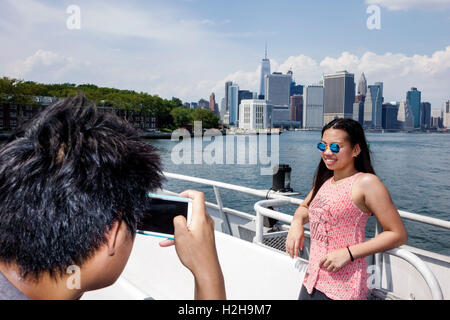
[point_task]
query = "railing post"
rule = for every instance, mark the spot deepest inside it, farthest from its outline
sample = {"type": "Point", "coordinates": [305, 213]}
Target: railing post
{"type": "Point", "coordinates": [379, 256]}
{"type": "Point", "coordinates": [224, 216]}
{"type": "Point", "coordinates": [259, 228]}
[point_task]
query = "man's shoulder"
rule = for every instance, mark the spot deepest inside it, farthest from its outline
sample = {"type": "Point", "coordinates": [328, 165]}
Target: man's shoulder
{"type": "Point", "coordinates": [8, 291]}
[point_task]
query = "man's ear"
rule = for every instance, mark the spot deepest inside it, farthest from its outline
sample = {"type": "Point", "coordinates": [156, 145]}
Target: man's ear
{"type": "Point", "coordinates": [112, 237]}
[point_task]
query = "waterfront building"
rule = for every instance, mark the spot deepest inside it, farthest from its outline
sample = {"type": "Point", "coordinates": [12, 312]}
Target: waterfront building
{"type": "Point", "coordinates": [373, 106]}
{"type": "Point", "coordinates": [226, 118]}
{"type": "Point", "coordinates": [362, 86]}
{"type": "Point", "coordinates": [405, 116]}
{"type": "Point", "coordinates": [278, 88]}
{"type": "Point", "coordinates": [358, 109]}
{"type": "Point", "coordinates": [277, 92]}
{"type": "Point", "coordinates": [360, 98]}
{"type": "Point", "coordinates": [244, 94]}
{"type": "Point", "coordinates": [233, 107]}
{"type": "Point", "coordinates": [296, 89]}
{"type": "Point", "coordinates": [280, 113]}
{"type": "Point", "coordinates": [296, 109]}
{"type": "Point", "coordinates": [313, 105]}
{"type": "Point", "coordinates": [425, 115]}
{"type": "Point", "coordinates": [414, 96]}
{"type": "Point", "coordinates": [265, 71]}
{"type": "Point", "coordinates": [255, 114]}
{"type": "Point", "coordinates": [339, 96]}
{"type": "Point", "coordinates": [13, 115]}
{"type": "Point", "coordinates": [227, 89]}
{"type": "Point", "coordinates": [446, 115]}
{"type": "Point", "coordinates": [436, 118]}
{"type": "Point", "coordinates": [223, 108]}
{"type": "Point", "coordinates": [213, 106]}
{"type": "Point", "coordinates": [203, 104]}
{"type": "Point", "coordinates": [389, 115]}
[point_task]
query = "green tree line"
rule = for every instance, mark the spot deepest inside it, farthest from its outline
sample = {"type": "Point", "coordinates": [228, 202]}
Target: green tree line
{"type": "Point", "coordinates": [167, 112]}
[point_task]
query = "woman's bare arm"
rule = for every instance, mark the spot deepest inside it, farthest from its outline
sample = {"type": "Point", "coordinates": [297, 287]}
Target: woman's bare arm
{"type": "Point", "coordinates": [378, 200]}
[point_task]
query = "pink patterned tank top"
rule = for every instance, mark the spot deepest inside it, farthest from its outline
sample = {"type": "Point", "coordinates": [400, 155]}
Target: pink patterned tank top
{"type": "Point", "coordinates": [335, 223]}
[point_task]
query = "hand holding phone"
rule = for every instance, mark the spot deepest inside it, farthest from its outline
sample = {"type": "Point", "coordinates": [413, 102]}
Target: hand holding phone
{"type": "Point", "coordinates": [160, 212]}
{"type": "Point", "coordinates": [196, 248]}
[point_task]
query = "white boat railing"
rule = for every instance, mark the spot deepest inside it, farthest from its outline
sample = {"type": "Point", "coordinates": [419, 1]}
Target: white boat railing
{"type": "Point", "coordinates": [262, 210]}
{"type": "Point", "coordinates": [422, 268]}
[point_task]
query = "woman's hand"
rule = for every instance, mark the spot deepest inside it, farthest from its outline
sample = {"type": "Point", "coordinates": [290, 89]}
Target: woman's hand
{"type": "Point", "coordinates": [335, 260]}
{"type": "Point", "coordinates": [295, 239]}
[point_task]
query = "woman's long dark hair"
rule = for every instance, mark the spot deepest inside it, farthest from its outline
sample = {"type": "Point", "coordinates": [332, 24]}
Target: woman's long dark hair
{"type": "Point", "coordinates": [356, 136]}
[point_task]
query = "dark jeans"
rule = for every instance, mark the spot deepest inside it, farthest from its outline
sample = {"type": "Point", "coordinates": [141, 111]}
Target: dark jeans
{"type": "Point", "coordinates": [315, 295]}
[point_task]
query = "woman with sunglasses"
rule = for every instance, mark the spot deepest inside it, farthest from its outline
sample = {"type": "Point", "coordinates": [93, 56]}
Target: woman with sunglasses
{"type": "Point", "coordinates": [345, 193]}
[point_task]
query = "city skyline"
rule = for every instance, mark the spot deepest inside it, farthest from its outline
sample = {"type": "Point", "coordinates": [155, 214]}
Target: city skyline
{"type": "Point", "coordinates": [189, 49]}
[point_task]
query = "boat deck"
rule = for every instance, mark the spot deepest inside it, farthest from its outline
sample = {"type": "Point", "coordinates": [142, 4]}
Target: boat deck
{"type": "Point", "coordinates": [256, 267]}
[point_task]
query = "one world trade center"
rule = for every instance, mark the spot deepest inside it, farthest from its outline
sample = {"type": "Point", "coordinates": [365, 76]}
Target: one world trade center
{"type": "Point", "coordinates": [265, 70]}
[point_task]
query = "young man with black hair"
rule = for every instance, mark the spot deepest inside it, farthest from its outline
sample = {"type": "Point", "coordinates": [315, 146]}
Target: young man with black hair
{"type": "Point", "coordinates": [73, 184]}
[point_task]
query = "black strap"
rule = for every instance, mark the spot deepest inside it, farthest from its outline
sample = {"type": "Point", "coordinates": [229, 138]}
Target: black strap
{"type": "Point", "coordinates": [351, 256]}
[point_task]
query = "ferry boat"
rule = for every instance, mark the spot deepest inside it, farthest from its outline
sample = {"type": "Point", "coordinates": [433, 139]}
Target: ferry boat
{"type": "Point", "coordinates": [254, 263]}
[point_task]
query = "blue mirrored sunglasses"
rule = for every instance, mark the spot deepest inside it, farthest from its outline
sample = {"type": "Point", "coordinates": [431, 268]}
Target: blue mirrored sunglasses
{"type": "Point", "coordinates": [334, 147]}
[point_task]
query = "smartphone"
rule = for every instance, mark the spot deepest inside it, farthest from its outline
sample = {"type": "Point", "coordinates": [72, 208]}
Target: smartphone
{"type": "Point", "coordinates": [159, 213]}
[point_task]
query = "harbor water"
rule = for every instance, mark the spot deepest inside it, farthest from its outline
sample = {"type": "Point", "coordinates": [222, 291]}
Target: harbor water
{"type": "Point", "coordinates": [415, 167]}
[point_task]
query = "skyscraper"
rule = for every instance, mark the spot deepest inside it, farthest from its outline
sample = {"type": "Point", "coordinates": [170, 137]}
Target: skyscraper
{"type": "Point", "coordinates": [313, 99]}
{"type": "Point", "coordinates": [244, 94]}
{"type": "Point", "coordinates": [405, 116]}
{"type": "Point", "coordinates": [358, 109]}
{"type": "Point", "coordinates": [296, 89]}
{"type": "Point", "coordinates": [265, 70]}
{"type": "Point", "coordinates": [389, 117]}
{"type": "Point", "coordinates": [227, 87]}
{"type": "Point", "coordinates": [360, 98]}
{"type": "Point", "coordinates": [296, 109]}
{"type": "Point", "coordinates": [339, 96]}
{"type": "Point", "coordinates": [446, 115]}
{"type": "Point", "coordinates": [233, 96]}
{"type": "Point", "coordinates": [436, 118]}
{"type": "Point", "coordinates": [425, 115]}
{"type": "Point", "coordinates": [212, 104]}
{"type": "Point", "coordinates": [278, 87]}
{"type": "Point", "coordinates": [413, 96]}
{"type": "Point", "coordinates": [223, 108]}
{"type": "Point", "coordinates": [362, 85]}
{"type": "Point", "coordinates": [373, 106]}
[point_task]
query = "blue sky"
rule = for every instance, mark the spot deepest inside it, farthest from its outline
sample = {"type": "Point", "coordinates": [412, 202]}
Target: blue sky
{"type": "Point", "coordinates": [189, 48]}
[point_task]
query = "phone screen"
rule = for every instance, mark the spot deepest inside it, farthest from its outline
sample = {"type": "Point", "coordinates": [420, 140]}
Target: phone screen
{"type": "Point", "coordinates": [159, 214]}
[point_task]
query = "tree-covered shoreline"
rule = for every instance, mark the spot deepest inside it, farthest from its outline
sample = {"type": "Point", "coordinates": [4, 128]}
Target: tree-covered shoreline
{"type": "Point", "coordinates": [22, 93]}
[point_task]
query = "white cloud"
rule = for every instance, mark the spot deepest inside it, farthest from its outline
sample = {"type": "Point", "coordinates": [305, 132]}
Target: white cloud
{"type": "Point", "coordinates": [395, 5]}
{"type": "Point", "coordinates": [398, 72]}
{"type": "Point", "coordinates": [147, 48]}
{"type": "Point", "coordinates": [170, 53]}
{"type": "Point", "coordinates": [49, 62]}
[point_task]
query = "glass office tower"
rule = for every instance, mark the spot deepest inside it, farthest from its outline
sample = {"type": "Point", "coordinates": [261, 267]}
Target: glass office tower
{"type": "Point", "coordinates": [414, 96]}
